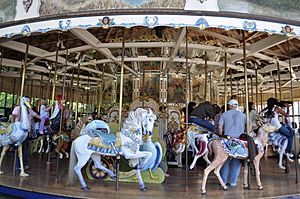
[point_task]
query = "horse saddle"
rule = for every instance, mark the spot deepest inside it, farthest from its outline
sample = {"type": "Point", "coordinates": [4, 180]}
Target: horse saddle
{"type": "Point", "coordinates": [235, 148]}
{"type": "Point", "coordinates": [5, 130]}
{"type": "Point", "coordinates": [105, 143]}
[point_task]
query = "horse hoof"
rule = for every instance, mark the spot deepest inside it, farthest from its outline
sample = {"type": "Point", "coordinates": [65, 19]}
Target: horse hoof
{"type": "Point", "coordinates": [225, 188]}
{"type": "Point", "coordinates": [204, 193]}
{"type": "Point", "coordinates": [246, 187]}
{"type": "Point", "coordinates": [144, 189]}
{"type": "Point", "coordinates": [260, 188]}
{"type": "Point", "coordinates": [113, 177]}
{"type": "Point", "coordinates": [86, 188]}
{"type": "Point", "coordinates": [1, 172]}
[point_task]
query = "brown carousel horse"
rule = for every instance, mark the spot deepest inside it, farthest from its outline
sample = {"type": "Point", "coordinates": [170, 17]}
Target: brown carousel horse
{"type": "Point", "coordinates": [221, 155]}
{"type": "Point", "coordinates": [64, 138]}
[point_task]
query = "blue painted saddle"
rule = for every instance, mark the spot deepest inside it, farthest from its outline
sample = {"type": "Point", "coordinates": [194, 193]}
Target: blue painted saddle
{"type": "Point", "coordinates": [107, 144]}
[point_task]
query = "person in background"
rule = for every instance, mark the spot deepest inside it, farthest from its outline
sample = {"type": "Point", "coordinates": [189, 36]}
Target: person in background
{"type": "Point", "coordinates": [44, 114]}
{"type": "Point", "coordinates": [233, 122]}
{"type": "Point", "coordinates": [272, 114]}
{"type": "Point", "coordinates": [202, 113]}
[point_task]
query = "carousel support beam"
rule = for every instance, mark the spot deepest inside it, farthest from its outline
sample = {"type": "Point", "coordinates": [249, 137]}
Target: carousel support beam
{"type": "Point", "coordinates": [293, 113]}
{"type": "Point", "coordinates": [90, 39]}
{"type": "Point", "coordinates": [259, 46]}
{"type": "Point", "coordinates": [179, 40]}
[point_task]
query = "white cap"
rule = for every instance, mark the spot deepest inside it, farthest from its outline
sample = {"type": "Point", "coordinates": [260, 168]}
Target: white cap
{"type": "Point", "coordinates": [233, 102]}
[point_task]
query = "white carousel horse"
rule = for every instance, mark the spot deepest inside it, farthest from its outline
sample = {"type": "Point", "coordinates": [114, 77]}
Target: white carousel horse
{"type": "Point", "coordinates": [200, 134]}
{"type": "Point", "coordinates": [281, 142]}
{"type": "Point", "coordinates": [15, 134]}
{"type": "Point", "coordinates": [205, 5]}
{"type": "Point", "coordinates": [221, 155]}
{"type": "Point", "coordinates": [127, 143]}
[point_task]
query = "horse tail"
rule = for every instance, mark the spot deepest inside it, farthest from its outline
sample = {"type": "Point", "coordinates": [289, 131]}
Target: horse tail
{"type": "Point", "coordinates": [72, 162]}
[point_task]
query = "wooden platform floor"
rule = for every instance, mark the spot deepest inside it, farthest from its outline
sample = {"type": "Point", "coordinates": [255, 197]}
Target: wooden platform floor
{"type": "Point", "coordinates": [275, 182]}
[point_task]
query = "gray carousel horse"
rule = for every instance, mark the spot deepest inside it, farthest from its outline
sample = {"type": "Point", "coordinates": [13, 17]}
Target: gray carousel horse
{"type": "Point", "coordinates": [15, 134]}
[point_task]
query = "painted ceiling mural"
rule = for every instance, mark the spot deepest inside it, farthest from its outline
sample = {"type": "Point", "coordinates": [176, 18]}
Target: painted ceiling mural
{"type": "Point", "coordinates": [22, 9]}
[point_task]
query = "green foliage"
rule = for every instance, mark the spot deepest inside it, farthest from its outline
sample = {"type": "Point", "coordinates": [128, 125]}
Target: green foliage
{"type": "Point", "coordinates": [282, 4]}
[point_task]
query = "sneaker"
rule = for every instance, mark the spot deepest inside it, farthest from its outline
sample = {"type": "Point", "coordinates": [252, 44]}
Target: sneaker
{"type": "Point", "coordinates": [289, 155]}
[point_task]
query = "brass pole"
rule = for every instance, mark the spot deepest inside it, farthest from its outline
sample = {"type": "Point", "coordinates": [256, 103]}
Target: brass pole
{"type": "Point", "coordinates": [279, 80]}
{"type": "Point", "coordinates": [187, 103]}
{"type": "Point", "coordinates": [252, 93]}
{"type": "Point", "coordinates": [55, 72]}
{"type": "Point", "coordinates": [238, 90]}
{"type": "Point", "coordinates": [246, 84]}
{"type": "Point", "coordinates": [225, 86]}
{"type": "Point", "coordinates": [1, 60]}
{"type": "Point", "coordinates": [14, 90]}
{"type": "Point", "coordinates": [261, 98]}
{"type": "Point", "coordinates": [41, 86]}
{"type": "Point", "coordinates": [101, 92]}
{"type": "Point", "coordinates": [231, 90]}
{"type": "Point", "coordinates": [256, 87]}
{"type": "Point", "coordinates": [292, 99]}
{"type": "Point", "coordinates": [122, 80]}
{"type": "Point", "coordinates": [77, 92]}
{"type": "Point", "coordinates": [72, 90]}
{"type": "Point", "coordinates": [210, 88]}
{"type": "Point", "coordinates": [205, 81]}
{"type": "Point", "coordinates": [24, 70]}
{"type": "Point", "coordinates": [275, 86]}
{"type": "Point", "coordinates": [144, 94]}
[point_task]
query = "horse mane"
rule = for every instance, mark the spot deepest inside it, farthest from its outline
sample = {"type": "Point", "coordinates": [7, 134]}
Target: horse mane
{"type": "Point", "coordinates": [135, 118]}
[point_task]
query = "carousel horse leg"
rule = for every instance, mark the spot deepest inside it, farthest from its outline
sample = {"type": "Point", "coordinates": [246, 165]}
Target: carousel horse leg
{"type": "Point", "coordinates": [41, 140]}
{"type": "Point", "coordinates": [58, 148]}
{"type": "Point", "coordinates": [281, 152]}
{"type": "Point", "coordinates": [20, 154]}
{"type": "Point", "coordinates": [205, 157]}
{"type": "Point", "coordinates": [64, 148]}
{"type": "Point", "coordinates": [3, 153]}
{"type": "Point", "coordinates": [97, 161]}
{"type": "Point", "coordinates": [143, 188]}
{"type": "Point", "coordinates": [48, 144]}
{"type": "Point", "coordinates": [194, 161]}
{"type": "Point", "coordinates": [246, 175]}
{"type": "Point", "coordinates": [216, 164]}
{"type": "Point", "coordinates": [82, 160]}
{"type": "Point", "coordinates": [256, 162]}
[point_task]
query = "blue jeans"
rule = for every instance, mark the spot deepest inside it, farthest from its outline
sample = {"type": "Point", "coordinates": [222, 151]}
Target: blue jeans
{"type": "Point", "coordinates": [233, 167]}
{"type": "Point", "coordinates": [203, 123]}
{"type": "Point", "coordinates": [289, 133]}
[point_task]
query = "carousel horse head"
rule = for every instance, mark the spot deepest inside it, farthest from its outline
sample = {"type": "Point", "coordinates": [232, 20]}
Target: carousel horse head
{"type": "Point", "coordinates": [140, 118]}
{"type": "Point", "coordinates": [148, 121]}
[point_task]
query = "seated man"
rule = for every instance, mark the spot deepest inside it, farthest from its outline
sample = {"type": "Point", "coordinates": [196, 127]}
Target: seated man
{"type": "Point", "coordinates": [202, 113]}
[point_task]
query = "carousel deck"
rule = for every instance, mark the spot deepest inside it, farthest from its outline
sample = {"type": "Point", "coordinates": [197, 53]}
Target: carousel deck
{"type": "Point", "coordinates": [276, 184]}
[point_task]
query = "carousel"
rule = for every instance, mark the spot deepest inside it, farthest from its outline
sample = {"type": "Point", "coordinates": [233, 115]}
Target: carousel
{"type": "Point", "coordinates": [95, 97]}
